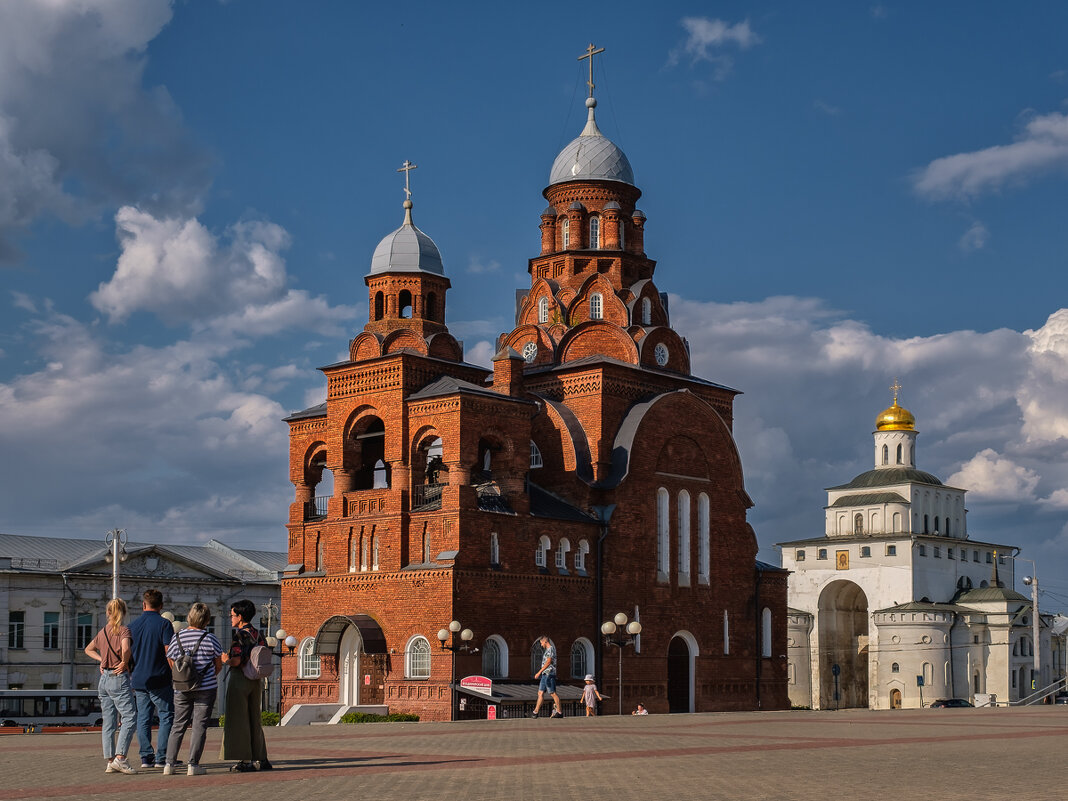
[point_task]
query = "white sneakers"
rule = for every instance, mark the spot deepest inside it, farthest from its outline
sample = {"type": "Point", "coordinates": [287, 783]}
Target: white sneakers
{"type": "Point", "coordinates": [196, 770]}
{"type": "Point", "coordinates": [168, 770]}
{"type": "Point", "coordinates": [120, 765]}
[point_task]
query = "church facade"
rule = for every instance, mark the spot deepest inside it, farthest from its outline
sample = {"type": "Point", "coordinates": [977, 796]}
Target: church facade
{"type": "Point", "coordinates": [588, 474]}
{"type": "Point", "coordinates": [896, 606]}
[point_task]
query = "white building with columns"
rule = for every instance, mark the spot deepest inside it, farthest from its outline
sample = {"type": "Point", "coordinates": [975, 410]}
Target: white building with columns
{"type": "Point", "coordinates": [895, 605]}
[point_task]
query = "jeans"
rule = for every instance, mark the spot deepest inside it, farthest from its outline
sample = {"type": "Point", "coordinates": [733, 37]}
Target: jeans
{"type": "Point", "coordinates": [195, 704]}
{"type": "Point", "coordinates": [116, 700]}
{"type": "Point", "coordinates": [163, 701]}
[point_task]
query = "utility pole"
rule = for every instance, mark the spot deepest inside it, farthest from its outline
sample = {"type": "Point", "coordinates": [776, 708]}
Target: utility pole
{"type": "Point", "coordinates": [1032, 581]}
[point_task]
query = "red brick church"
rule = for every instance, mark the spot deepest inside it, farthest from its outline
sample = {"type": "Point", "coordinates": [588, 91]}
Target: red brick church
{"type": "Point", "coordinates": [588, 474]}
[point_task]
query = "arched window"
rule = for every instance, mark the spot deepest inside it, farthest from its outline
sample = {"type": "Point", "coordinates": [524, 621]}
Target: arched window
{"type": "Point", "coordinates": [495, 549]}
{"type": "Point", "coordinates": [308, 664]}
{"type": "Point", "coordinates": [543, 310]}
{"type": "Point", "coordinates": [581, 658]}
{"type": "Point", "coordinates": [562, 549]}
{"type": "Point", "coordinates": [936, 524]}
{"type": "Point", "coordinates": [858, 523]}
{"type": "Point", "coordinates": [565, 236]}
{"type": "Point", "coordinates": [541, 555]}
{"type": "Point", "coordinates": [886, 454]}
{"type": "Point", "coordinates": [765, 631]}
{"type": "Point", "coordinates": [417, 658]}
{"type": "Point", "coordinates": [895, 668]}
{"type": "Point", "coordinates": [596, 306]}
{"type": "Point", "coordinates": [580, 555]}
{"type": "Point", "coordinates": [535, 456]}
{"type": "Point", "coordinates": [726, 633]}
{"type": "Point", "coordinates": [320, 553]}
{"type": "Point", "coordinates": [684, 533]}
{"type": "Point", "coordinates": [622, 234]}
{"type": "Point", "coordinates": [537, 655]}
{"type": "Point", "coordinates": [381, 476]}
{"type": "Point", "coordinates": [404, 304]}
{"type": "Point", "coordinates": [379, 305]}
{"type": "Point", "coordinates": [928, 673]}
{"type": "Point", "coordinates": [647, 311]}
{"type": "Point", "coordinates": [374, 553]}
{"type": "Point", "coordinates": [702, 538]}
{"type": "Point", "coordinates": [595, 232]}
{"type": "Point", "coordinates": [926, 529]}
{"type": "Point", "coordinates": [354, 552]}
{"type": "Point", "coordinates": [663, 533]}
{"type": "Point", "coordinates": [947, 526]}
{"type": "Point", "coordinates": [365, 551]}
{"type": "Point", "coordinates": [495, 657]}
{"type": "Point", "coordinates": [899, 454]}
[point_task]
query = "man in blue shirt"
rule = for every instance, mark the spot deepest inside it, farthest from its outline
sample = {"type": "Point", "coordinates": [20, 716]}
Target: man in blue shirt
{"type": "Point", "coordinates": [150, 678]}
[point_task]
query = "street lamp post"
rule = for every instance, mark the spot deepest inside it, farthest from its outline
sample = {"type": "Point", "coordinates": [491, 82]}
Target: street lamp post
{"type": "Point", "coordinates": [466, 635]}
{"type": "Point", "coordinates": [1032, 582]}
{"type": "Point", "coordinates": [280, 638]}
{"type": "Point", "coordinates": [116, 541]}
{"type": "Point", "coordinates": [620, 628]}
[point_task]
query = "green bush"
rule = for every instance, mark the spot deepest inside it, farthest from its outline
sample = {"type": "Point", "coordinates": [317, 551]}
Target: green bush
{"type": "Point", "coordinates": [368, 717]}
{"type": "Point", "coordinates": [266, 719]}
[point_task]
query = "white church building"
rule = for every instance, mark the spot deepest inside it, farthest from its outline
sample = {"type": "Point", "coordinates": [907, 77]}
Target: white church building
{"type": "Point", "coordinates": [895, 605]}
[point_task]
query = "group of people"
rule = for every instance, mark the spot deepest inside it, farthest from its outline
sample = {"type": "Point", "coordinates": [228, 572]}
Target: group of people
{"type": "Point", "coordinates": [546, 677]}
{"type": "Point", "coordinates": [136, 664]}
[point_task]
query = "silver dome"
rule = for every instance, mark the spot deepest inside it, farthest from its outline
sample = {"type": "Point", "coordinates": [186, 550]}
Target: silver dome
{"type": "Point", "coordinates": [407, 250]}
{"type": "Point", "coordinates": [591, 156]}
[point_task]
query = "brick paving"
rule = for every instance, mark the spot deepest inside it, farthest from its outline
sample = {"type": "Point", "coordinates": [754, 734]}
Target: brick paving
{"type": "Point", "coordinates": [903, 755]}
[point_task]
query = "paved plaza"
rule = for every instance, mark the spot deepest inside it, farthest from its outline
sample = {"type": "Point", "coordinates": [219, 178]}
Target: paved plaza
{"type": "Point", "coordinates": [891, 756]}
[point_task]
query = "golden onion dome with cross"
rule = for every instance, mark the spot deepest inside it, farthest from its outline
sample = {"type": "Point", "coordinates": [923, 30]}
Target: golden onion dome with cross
{"type": "Point", "coordinates": [895, 418]}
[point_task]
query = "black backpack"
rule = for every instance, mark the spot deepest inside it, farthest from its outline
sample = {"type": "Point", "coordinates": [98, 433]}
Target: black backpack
{"type": "Point", "coordinates": [184, 674]}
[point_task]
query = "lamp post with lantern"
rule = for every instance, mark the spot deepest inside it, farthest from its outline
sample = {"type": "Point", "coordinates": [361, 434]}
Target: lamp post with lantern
{"type": "Point", "coordinates": [624, 634]}
{"type": "Point", "coordinates": [466, 635]}
{"type": "Point", "coordinates": [116, 541]}
{"type": "Point", "coordinates": [280, 638]}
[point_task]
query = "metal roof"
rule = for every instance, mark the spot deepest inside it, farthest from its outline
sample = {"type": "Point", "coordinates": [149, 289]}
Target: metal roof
{"type": "Point", "coordinates": [407, 250]}
{"type": "Point", "coordinates": [868, 499]}
{"type": "Point", "coordinates": [591, 156]}
{"type": "Point", "coordinates": [886, 476]}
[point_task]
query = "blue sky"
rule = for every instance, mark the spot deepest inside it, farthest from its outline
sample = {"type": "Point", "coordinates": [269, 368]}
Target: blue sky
{"type": "Point", "coordinates": [838, 194]}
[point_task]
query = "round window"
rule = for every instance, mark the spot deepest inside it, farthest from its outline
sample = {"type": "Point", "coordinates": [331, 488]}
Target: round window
{"type": "Point", "coordinates": [660, 352]}
{"type": "Point", "coordinates": [530, 351]}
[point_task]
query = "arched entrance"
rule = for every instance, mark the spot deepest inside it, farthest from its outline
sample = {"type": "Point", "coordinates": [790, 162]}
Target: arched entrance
{"type": "Point", "coordinates": [358, 645]}
{"type": "Point", "coordinates": [682, 651]}
{"type": "Point", "coordinates": [895, 699]}
{"type": "Point", "coordinates": [843, 646]}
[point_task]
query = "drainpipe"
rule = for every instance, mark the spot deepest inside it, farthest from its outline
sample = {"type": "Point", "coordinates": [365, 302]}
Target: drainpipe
{"type": "Point", "coordinates": [604, 514]}
{"type": "Point", "coordinates": [759, 636]}
{"type": "Point", "coordinates": [952, 672]}
{"type": "Point", "coordinates": [70, 641]}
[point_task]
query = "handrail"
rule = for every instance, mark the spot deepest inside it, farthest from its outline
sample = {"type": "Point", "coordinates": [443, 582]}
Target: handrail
{"type": "Point", "coordinates": [1038, 695]}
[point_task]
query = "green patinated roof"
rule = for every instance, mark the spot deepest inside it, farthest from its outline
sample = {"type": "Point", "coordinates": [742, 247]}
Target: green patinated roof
{"type": "Point", "coordinates": [868, 499]}
{"type": "Point", "coordinates": [887, 476]}
{"type": "Point", "coordinates": [990, 594]}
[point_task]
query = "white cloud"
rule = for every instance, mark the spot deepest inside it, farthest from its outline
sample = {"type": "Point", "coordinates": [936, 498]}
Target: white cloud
{"type": "Point", "coordinates": [975, 238]}
{"type": "Point", "coordinates": [1042, 146]}
{"type": "Point", "coordinates": [706, 39]}
{"type": "Point", "coordinates": [989, 476]}
{"type": "Point", "coordinates": [74, 113]}
{"type": "Point", "coordinates": [477, 266]}
{"type": "Point", "coordinates": [826, 108]}
{"type": "Point", "coordinates": [481, 353]}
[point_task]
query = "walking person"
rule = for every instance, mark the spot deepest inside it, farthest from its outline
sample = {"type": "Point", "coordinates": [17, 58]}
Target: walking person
{"type": "Point", "coordinates": [590, 696]}
{"type": "Point", "coordinates": [547, 674]}
{"type": "Point", "coordinates": [243, 730]}
{"type": "Point", "coordinates": [151, 678]}
{"type": "Point", "coordinates": [194, 705]}
{"type": "Point", "coordinates": [111, 648]}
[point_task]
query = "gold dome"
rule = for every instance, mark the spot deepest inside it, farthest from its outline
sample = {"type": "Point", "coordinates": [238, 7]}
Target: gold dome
{"type": "Point", "coordinates": [896, 418]}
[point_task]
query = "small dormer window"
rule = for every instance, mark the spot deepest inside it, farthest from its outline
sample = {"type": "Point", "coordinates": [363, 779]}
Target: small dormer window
{"type": "Point", "coordinates": [596, 306]}
{"type": "Point", "coordinates": [543, 310]}
{"type": "Point", "coordinates": [565, 233]}
{"type": "Point", "coordinates": [595, 232]}
{"type": "Point", "coordinates": [647, 311]}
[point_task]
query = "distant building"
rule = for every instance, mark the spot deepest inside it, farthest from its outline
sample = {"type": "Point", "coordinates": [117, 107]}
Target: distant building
{"type": "Point", "coordinates": [590, 474]}
{"type": "Point", "coordinates": [896, 603]}
{"type": "Point", "coordinates": [53, 592]}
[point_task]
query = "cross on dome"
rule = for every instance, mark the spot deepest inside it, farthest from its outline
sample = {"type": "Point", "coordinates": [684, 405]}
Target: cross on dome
{"type": "Point", "coordinates": [895, 388]}
{"type": "Point", "coordinates": [407, 168]}
{"type": "Point", "coordinates": [590, 53]}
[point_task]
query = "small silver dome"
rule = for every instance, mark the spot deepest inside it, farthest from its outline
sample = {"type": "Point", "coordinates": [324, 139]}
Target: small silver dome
{"type": "Point", "coordinates": [612, 205]}
{"type": "Point", "coordinates": [591, 156]}
{"type": "Point", "coordinates": [407, 250]}
{"type": "Point", "coordinates": [576, 205]}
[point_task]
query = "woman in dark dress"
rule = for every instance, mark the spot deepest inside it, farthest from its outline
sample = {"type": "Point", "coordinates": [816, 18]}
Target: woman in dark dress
{"type": "Point", "coordinates": [243, 730]}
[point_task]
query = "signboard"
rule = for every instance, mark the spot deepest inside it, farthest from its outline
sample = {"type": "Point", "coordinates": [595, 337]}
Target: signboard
{"type": "Point", "coordinates": [480, 684]}
{"type": "Point", "coordinates": [919, 681]}
{"type": "Point", "coordinates": [841, 560]}
{"type": "Point", "coordinates": [366, 679]}
{"type": "Point", "coordinates": [491, 712]}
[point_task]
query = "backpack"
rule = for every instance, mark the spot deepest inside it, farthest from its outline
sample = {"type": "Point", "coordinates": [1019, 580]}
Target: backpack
{"type": "Point", "coordinates": [258, 664]}
{"type": "Point", "coordinates": [184, 674]}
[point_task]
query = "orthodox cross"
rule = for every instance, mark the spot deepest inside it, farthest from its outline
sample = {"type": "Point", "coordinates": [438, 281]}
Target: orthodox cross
{"type": "Point", "coordinates": [407, 168]}
{"type": "Point", "coordinates": [895, 388]}
{"type": "Point", "coordinates": [590, 53]}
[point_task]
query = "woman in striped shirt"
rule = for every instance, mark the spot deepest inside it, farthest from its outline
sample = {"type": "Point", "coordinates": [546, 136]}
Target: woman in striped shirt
{"type": "Point", "coordinates": [195, 704]}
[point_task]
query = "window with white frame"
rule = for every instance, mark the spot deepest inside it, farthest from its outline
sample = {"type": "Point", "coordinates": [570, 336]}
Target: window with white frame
{"type": "Point", "coordinates": [354, 551]}
{"type": "Point", "coordinates": [561, 553]}
{"type": "Point", "coordinates": [85, 631]}
{"type": "Point", "coordinates": [595, 232]}
{"type": "Point", "coordinates": [684, 533]}
{"type": "Point", "coordinates": [580, 555]}
{"type": "Point", "coordinates": [581, 658]}
{"type": "Point", "coordinates": [663, 532]}
{"type": "Point", "coordinates": [647, 311]}
{"type": "Point", "coordinates": [417, 658]}
{"type": "Point", "coordinates": [703, 538]}
{"type": "Point", "coordinates": [51, 630]}
{"type": "Point", "coordinates": [308, 663]}
{"type": "Point", "coordinates": [565, 233]}
{"type": "Point", "coordinates": [765, 632]}
{"type": "Point", "coordinates": [543, 310]}
{"type": "Point", "coordinates": [495, 549]}
{"type": "Point", "coordinates": [374, 553]}
{"type": "Point", "coordinates": [542, 553]}
{"type": "Point", "coordinates": [535, 456]}
{"type": "Point", "coordinates": [596, 306]}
